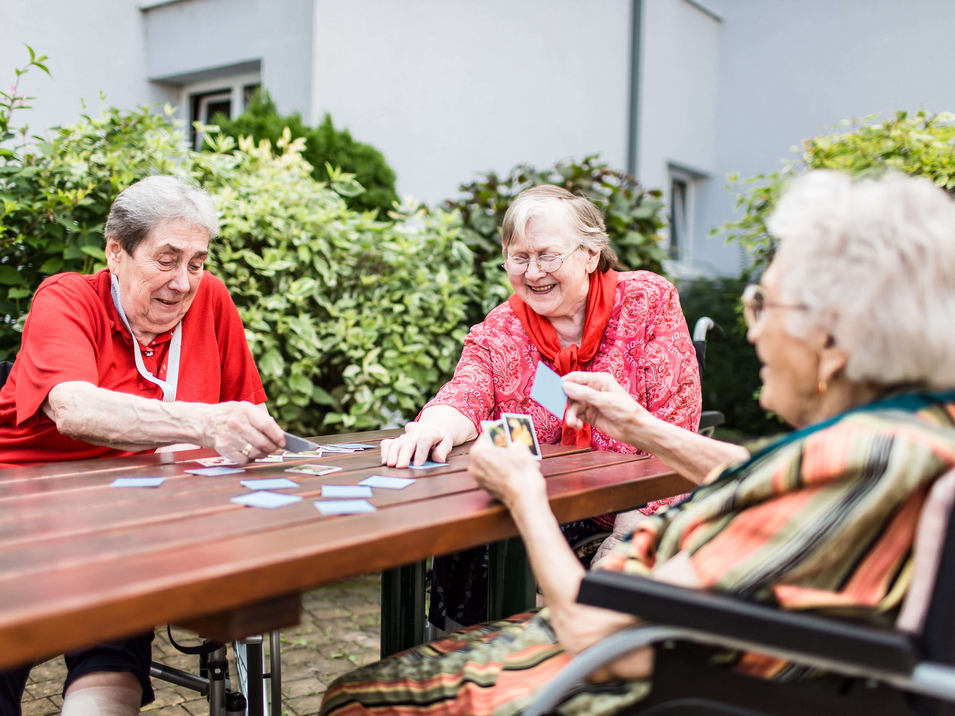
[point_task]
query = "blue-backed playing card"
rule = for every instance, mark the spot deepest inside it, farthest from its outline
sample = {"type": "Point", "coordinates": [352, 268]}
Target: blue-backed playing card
{"type": "Point", "coordinates": [548, 390]}
{"type": "Point", "coordinates": [137, 482]}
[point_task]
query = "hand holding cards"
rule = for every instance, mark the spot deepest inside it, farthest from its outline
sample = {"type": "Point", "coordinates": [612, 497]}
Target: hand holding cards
{"type": "Point", "coordinates": [513, 428]}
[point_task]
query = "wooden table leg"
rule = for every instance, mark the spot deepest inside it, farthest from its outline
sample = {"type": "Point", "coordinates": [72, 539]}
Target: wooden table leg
{"type": "Point", "coordinates": [402, 608]}
{"type": "Point", "coordinates": [511, 588]}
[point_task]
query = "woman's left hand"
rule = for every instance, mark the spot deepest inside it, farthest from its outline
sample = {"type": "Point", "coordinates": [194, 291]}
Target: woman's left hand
{"type": "Point", "coordinates": [510, 474]}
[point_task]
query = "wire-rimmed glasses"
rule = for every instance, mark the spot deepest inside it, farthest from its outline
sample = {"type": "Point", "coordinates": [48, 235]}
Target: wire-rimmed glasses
{"type": "Point", "coordinates": [548, 263]}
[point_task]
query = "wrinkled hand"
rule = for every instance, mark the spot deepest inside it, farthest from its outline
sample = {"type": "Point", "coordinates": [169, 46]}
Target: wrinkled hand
{"type": "Point", "coordinates": [598, 399]}
{"type": "Point", "coordinates": [234, 425]}
{"type": "Point", "coordinates": [512, 475]}
{"type": "Point", "coordinates": [419, 440]}
{"type": "Point", "coordinates": [623, 525]}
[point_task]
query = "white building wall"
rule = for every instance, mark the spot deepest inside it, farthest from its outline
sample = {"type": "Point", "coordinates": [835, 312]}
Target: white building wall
{"type": "Point", "coordinates": [448, 88]}
{"type": "Point", "coordinates": [792, 70]}
{"type": "Point", "coordinates": [93, 46]}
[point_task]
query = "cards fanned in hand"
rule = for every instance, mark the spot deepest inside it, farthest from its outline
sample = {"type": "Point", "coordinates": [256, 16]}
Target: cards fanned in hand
{"type": "Point", "coordinates": [137, 482]}
{"type": "Point", "coordinates": [346, 491]}
{"type": "Point", "coordinates": [214, 471]}
{"type": "Point", "coordinates": [344, 507]}
{"type": "Point", "coordinates": [314, 470]}
{"type": "Point", "coordinates": [269, 483]}
{"type": "Point", "coordinates": [388, 483]}
{"type": "Point", "coordinates": [512, 428]}
{"type": "Point", "coordinates": [266, 500]}
{"type": "Point", "coordinates": [548, 390]}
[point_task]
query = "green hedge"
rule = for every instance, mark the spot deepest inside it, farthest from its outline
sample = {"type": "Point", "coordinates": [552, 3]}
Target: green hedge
{"type": "Point", "coordinates": [325, 146]}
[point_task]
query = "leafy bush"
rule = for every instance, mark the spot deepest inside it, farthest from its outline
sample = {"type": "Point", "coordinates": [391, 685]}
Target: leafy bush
{"type": "Point", "coordinates": [351, 320]}
{"type": "Point", "coordinates": [324, 146]}
{"type": "Point", "coordinates": [633, 217]}
{"type": "Point", "coordinates": [731, 381]}
{"type": "Point", "coordinates": [919, 146]}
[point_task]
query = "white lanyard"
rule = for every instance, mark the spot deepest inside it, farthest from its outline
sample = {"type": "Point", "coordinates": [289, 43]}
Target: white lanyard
{"type": "Point", "coordinates": [171, 384]}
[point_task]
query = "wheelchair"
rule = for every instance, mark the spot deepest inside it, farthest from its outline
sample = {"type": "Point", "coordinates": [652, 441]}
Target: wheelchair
{"type": "Point", "coordinates": [908, 670]}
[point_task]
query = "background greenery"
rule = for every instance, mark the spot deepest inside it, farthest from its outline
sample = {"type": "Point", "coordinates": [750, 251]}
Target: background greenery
{"type": "Point", "coordinates": [325, 146]}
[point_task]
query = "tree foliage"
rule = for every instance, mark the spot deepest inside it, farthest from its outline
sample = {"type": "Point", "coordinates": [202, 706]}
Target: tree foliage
{"type": "Point", "coordinates": [919, 145]}
{"type": "Point", "coordinates": [324, 146]}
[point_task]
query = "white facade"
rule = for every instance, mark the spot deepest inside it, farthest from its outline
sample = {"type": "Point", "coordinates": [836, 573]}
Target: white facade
{"type": "Point", "coordinates": [450, 88]}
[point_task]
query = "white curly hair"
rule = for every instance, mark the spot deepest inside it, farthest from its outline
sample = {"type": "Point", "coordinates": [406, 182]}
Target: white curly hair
{"type": "Point", "coordinates": [874, 262]}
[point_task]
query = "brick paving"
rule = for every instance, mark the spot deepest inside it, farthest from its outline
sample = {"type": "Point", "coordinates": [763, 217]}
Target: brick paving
{"type": "Point", "coordinates": [340, 630]}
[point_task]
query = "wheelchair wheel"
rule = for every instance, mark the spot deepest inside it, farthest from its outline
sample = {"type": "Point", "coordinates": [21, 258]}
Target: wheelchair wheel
{"type": "Point", "coordinates": [587, 548]}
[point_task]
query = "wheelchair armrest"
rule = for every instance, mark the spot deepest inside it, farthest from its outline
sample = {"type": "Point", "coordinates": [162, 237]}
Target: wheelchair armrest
{"type": "Point", "coordinates": [710, 419]}
{"type": "Point", "coordinates": [832, 639]}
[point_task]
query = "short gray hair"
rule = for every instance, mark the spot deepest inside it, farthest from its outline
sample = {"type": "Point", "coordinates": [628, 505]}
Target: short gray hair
{"type": "Point", "coordinates": [156, 200]}
{"type": "Point", "coordinates": [874, 262]}
{"type": "Point", "coordinates": [581, 216]}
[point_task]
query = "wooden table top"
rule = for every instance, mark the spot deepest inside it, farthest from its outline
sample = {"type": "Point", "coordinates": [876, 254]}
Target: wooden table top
{"type": "Point", "coordinates": [81, 562]}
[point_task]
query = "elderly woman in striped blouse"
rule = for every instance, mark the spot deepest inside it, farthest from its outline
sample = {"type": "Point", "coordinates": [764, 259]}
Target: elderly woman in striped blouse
{"type": "Point", "coordinates": [852, 324]}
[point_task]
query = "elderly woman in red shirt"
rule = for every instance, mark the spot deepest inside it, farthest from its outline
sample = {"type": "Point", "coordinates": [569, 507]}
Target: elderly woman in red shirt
{"type": "Point", "coordinates": [147, 353]}
{"type": "Point", "coordinates": [572, 311]}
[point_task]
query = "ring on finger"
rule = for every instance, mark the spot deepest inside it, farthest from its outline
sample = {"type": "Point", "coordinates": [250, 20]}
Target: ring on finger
{"type": "Point", "coordinates": [247, 450]}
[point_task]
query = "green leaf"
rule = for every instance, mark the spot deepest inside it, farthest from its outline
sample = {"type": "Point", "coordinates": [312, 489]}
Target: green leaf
{"type": "Point", "coordinates": [9, 276]}
{"type": "Point", "coordinates": [95, 251]}
{"type": "Point", "coordinates": [19, 293]}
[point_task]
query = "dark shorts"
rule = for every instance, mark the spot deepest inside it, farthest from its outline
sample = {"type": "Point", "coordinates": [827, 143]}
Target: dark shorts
{"type": "Point", "coordinates": [132, 655]}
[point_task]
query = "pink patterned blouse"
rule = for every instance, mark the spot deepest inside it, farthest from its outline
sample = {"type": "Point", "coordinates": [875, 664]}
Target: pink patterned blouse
{"type": "Point", "coordinates": [646, 347]}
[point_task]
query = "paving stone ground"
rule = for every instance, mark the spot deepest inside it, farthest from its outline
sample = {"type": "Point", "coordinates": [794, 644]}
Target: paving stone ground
{"type": "Point", "coordinates": [340, 630]}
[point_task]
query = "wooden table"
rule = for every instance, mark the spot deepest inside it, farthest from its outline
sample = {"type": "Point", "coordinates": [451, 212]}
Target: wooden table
{"type": "Point", "coordinates": [81, 562]}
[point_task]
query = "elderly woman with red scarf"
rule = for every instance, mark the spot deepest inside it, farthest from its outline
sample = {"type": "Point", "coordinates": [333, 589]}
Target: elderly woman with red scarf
{"type": "Point", "coordinates": [572, 311]}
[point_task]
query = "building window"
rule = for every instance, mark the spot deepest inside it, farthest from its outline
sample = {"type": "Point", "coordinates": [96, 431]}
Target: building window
{"type": "Point", "coordinates": [205, 106]}
{"type": "Point", "coordinates": [679, 202]}
{"type": "Point", "coordinates": [247, 93]}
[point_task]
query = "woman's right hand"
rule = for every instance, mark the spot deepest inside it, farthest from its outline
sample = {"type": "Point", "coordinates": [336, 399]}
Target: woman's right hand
{"type": "Point", "coordinates": [419, 440]}
{"type": "Point", "coordinates": [597, 399]}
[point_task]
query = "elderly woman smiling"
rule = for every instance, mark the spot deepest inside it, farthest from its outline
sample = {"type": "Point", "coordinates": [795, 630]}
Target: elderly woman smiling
{"type": "Point", "coordinates": [572, 311]}
{"type": "Point", "coordinates": [852, 326]}
{"type": "Point", "coordinates": [147, 353]}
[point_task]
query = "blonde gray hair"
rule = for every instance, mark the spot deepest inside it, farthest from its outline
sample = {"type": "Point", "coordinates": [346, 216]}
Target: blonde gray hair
{"type": "Point", "coordinates": [156, 200]}
{"type": "Point", "coordinates": [874, 262]}
{"type": "Point", "coordinates": [578, 214]}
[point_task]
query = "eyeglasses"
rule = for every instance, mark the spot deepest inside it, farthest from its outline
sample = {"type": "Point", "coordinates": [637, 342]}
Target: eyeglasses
{"type": "Point", "coordinates": [755, 304]}
{"type": "Point", "coordinates": [548, 263]}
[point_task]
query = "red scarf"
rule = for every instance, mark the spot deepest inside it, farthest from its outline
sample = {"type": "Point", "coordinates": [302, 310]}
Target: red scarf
{"type": "Point", "coordinates": [600, 299]}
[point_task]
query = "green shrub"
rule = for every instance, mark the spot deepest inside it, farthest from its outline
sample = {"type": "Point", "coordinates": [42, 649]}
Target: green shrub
{"type": "Point", "coordinates": [731, 381]}
{"type": "Point", "coordinates": [325, 146]}
{"type": "Point", "coordinates": [350, 320]}
{"type": "Point", "coordinates": [633, 216]}
{"type": "Point", "coordinates": [919, 146]}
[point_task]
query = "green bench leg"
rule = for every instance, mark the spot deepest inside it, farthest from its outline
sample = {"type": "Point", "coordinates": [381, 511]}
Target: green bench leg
{"type": "Point", "coordinates": [511, 588]}
{"type": "Point", "coordinates": [402, 608]}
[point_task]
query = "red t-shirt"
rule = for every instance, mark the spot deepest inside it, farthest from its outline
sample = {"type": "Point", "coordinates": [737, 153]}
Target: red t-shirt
{"type": "Point", "coordinates": [74, 332]}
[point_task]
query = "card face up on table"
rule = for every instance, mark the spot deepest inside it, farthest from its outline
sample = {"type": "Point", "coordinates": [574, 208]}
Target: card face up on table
{"type": "Point", "coordinates": [316, 470]}
{"type": "Point", "coordinates": [345, 491]}
{"type": "Point", "coordinates": [137, 482]}
{"type": "Point", "coordinates": [269, 483]}
{"type": "Point", "coordinates": [344, 507]}
{"type": "Point", "coordinates": [215, 471]}
{"type": "Point", "coordinates": [548, 390]}
{"type": "Point", "coordinates": [215, 461]}
{"type": "Point", "coordinates": [388, 483]}
{"type": "Point", "coordinates": [266, 500]}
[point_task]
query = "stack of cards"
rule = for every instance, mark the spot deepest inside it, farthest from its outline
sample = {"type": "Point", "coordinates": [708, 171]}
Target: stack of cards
{"type": "Point", "coordinates": [512, 428]}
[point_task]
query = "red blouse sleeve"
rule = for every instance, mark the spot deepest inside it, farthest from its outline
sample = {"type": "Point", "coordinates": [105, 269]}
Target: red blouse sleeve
{"type": "Point", "coordinates": [471, 390]}
{"type": "Point", "coordinates": [671, 371]}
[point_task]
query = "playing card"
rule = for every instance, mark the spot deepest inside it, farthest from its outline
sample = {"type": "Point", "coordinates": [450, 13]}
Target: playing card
{"type": "Point", "coordinates": [338, 448]}
{"type": "Point", "coordinates": [137, 482]}
{"type": "Point", "coordinates": [270, 458]}
{"type": "Point", "coordinates": [269, 483]}
{"type": "Point", "coordinates": [306, 453]}
{"type": "Point", "coordinates": [297, 444]}
{"type": "Point", "coordinates": [316, 470]}
{"type": "Point", "coordinates": [351, 446]}
{"type": "Point", "coordinates": [214, 471]}
{"type": "Point", "coordinates": [345, 491]}
{"type": "Point", "coordinates": [266, 500]}
{"type": "Point", "coordinates": [520, 428]}
{"type": "Point", "coordinates": [548, 390]}
{"type": "Point", "coordinates": [496, 431]}
{"type": "Point", "coordinates": [388, 483]}
{"type": "Point", "coordinates": [215, 461]}
{"type": "Point", "coordinates": [427, 465]}
{"type": "Point", "coordinates": [344, 507]}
